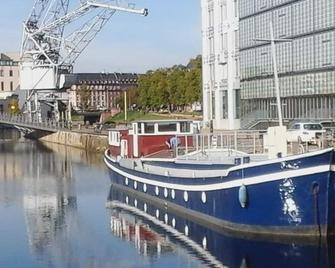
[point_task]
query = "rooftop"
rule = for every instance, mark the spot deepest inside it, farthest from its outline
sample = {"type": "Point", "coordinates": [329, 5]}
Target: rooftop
{"type": "Point", "coordinates": [100, 79]}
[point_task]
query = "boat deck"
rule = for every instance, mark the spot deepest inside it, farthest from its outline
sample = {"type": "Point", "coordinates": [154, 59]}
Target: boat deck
{"type": "Point", "coordinates": [164, 154]}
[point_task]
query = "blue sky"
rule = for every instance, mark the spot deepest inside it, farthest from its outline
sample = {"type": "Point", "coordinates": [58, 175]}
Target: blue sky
{"type": "Point", "coordinates": [171, 34]}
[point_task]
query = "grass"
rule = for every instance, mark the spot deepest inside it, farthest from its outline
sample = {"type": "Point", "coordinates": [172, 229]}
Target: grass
{"type": "Point", "coordinates": [76, 117]}
{"type": "Point", "coordinates": [133, 116]}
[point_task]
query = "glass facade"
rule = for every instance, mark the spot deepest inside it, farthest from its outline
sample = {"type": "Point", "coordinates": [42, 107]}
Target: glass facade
{"type": "Point", "coordinates": [306, 65]}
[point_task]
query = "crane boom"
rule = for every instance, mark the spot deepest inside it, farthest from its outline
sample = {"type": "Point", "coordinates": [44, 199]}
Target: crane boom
{"type": "Point", "coordinates": [44, 43]}
{"type": "Point", "coordinates": [50, 48]}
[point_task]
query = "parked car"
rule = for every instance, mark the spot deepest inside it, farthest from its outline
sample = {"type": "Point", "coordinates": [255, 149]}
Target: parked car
{"type": "Point", "coordinates": [305, 132]}
{"type": "Point", "coordinates": [329, 126]}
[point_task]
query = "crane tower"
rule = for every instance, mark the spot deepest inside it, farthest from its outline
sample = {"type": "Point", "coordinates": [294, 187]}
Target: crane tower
{"type": "Point", "coordinates": [54, 35]}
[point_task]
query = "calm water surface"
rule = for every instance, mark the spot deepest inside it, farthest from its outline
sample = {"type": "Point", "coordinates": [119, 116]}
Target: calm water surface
{"type": "Point", "coordinates": [58, 209]}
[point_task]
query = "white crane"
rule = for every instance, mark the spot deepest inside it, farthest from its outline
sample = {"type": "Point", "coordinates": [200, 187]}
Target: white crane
{"type": "Point", "coordinates": [53, 38]}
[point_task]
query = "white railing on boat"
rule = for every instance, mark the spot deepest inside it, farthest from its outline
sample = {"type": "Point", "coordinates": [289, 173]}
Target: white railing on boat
{"type": "Point", "coordinates": [249, 141]}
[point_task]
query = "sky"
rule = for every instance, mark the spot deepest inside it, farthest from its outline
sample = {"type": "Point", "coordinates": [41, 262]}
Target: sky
{"type": "Point", "coordinates": [170, 34]}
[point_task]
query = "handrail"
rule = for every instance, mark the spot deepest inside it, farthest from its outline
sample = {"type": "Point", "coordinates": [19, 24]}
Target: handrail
{"type": "Point", "coordinates": [24, 121]}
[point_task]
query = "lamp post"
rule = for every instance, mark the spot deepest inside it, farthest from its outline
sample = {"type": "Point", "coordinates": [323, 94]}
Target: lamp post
{"type": "Point", "coordinates": [273, 41]}
{"type": "Point", "coordinates": [125, 106]}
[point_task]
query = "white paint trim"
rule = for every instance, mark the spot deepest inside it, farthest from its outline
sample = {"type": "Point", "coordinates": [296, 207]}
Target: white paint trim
{"type": "Point", "coordinates": [279, 160]}
{"type": "Point", "coordinates": [332, 168]}
{"type": "Point", "coordinates": [230, 184]}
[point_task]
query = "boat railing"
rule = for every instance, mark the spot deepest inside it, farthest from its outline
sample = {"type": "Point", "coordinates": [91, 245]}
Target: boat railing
{"type": "Point", "coordinates": [247, 141]}
{"type": "Point", "coordinates": [250, 142]}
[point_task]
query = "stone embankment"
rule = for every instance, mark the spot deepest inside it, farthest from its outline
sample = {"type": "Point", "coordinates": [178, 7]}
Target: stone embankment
{"type": "Point", "coordinates": [85, 141]}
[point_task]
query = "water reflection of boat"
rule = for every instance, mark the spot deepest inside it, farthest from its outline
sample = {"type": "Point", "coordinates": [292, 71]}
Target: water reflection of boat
{"type": "Point", "coordinates": [213, 246]}
{"type": "Point", "coordinates": [130, 228]}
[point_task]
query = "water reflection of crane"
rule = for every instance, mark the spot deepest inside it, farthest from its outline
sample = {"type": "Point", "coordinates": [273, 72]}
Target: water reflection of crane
{"type": "Point", "coordinates": [57, 233]}
{"type": "Point", "coordinates": [49, 198]}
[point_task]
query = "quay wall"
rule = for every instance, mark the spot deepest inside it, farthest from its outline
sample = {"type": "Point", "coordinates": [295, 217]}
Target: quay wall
{"type": "Point", "coordinates": [85, 141]}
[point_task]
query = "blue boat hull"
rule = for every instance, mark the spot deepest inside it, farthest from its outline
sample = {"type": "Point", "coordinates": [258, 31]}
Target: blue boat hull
{"type": "Point", "coordinates": [293, 196]}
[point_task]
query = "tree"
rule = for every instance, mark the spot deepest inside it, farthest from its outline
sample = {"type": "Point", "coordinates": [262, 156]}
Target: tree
{"type": "Point", "coordinates": [173, 87]}
{"type": "Point", "coordinates": [85, 96]}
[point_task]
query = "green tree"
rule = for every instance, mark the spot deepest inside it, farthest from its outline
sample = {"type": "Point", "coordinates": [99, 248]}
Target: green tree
{"type": "Point", "coordinates": [173, 87]}
{"type": "Point", "coordinates": [85, 96]}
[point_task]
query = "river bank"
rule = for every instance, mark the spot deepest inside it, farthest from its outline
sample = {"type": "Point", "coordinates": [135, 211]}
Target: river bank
{"type": "Point", "coordinates": [85, 141]}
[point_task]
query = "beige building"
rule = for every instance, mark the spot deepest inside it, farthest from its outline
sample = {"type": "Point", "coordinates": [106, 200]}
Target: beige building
{"type": "Point", "coordinates": [100, 90]}
{"type": "Point", "coordinates": [9, 74]}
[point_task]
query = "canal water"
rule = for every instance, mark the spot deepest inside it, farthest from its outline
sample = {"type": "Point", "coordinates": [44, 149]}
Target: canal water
{"type": "Point", "coordinates": [59, 209]}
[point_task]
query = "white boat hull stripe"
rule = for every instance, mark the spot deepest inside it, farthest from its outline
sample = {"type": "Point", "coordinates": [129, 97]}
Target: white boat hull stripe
{"type": "Point", "coordinates": [332, 168]}
{"type": "Point", "coordinates": [229, 184]}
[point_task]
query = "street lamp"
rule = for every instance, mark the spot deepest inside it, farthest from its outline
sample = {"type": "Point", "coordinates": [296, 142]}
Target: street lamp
{"type": "Point", "coordinates": [272, 40]}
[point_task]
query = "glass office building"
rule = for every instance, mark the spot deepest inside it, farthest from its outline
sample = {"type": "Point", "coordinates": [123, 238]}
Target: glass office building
{"type": "Point", "coordinates": [306, 64]}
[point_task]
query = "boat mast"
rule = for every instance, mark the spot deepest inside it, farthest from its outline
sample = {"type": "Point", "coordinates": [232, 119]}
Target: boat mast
{"type": "Point", "coordinates": [275, 71]}
{"type": "Point", "coordinates": [273, 41]}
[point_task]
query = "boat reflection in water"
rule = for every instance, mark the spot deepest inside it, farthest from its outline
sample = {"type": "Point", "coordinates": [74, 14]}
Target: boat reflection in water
{"type": "Point", "coordinates": [155, 231]}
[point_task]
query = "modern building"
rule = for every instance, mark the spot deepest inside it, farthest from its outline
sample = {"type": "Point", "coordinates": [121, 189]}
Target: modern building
{"type": "Point", "coordinates": [306, 64]}
{"type": "Point", "coordinates": [221, 89]}
{"type": "Point", "coordinates": [9, 74]}
{"type": "Point", "coordinates": [98, 91]}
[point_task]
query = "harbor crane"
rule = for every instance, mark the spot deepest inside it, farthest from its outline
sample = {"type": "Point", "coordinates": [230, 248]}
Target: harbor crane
{"type": "Point", "coordinates": [53, 38]}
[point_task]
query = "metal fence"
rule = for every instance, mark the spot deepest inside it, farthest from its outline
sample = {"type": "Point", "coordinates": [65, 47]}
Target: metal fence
{"type": "Point", "coordinates": [251, 142]}
{"type": "Point", "coordinates": [246, 141]}
{"type": "Point", "coordinates": [23, 122]}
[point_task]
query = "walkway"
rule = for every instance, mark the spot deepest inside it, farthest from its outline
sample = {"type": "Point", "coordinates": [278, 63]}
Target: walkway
{"type": "Point", "coordinates": [22, 122]}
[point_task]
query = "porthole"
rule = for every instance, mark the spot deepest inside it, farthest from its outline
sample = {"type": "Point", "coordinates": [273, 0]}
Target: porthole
{"type": "Point", "coordinates": [173, 222]}
{"type": "Point", "coordinates": [135, 185]}
{"type": "Point", "coordinates": [204, 242]}
{"type": "Point", "coordinates": [203, 197]}
{"type": "Point", "coordinates": [186, 230]}
{"type": "Point", "coordinates": [173, 194]}
{"type": "Point", "coordinates": [144, 188]}
{"type": "Point", "coordinates": [135, 203]}
{"type": "Point", "coordinates": [127, 200]}
{"type": "Point", "coordinates": [145, 207]}
{"type": "Point", "coordinates": [166, 193]}
{"type": "Point", "coordinates": [157, 190]}
{"type": "Point", "coordinates": [186, 196]}
{"type": "Point", "coordinates": [126, 181]}
{"type": "Point", "coordinates": [166, 218]}
{"type": "Point", "coordinates": [157, 213]}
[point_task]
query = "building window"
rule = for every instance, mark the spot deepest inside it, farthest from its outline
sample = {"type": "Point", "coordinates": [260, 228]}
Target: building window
{"type": "Point", "coordinates": [1, 73]}
{"type": "Point", "coordinates": [10, 72]}
{"type": "Point", "coordinates": [238, 103]}
{"type": "Point", "coordinates": [2, 86]}
{"type": "Point", "coordinates": [235, 9]}
{"type": "Point", "coordinates": [11, 86]}
{"type": "Point", "coordinates": [224, 98]}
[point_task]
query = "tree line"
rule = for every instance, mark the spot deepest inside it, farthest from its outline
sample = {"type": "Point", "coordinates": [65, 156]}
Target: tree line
{"type": "Point", "coordinates": [172, 88]}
